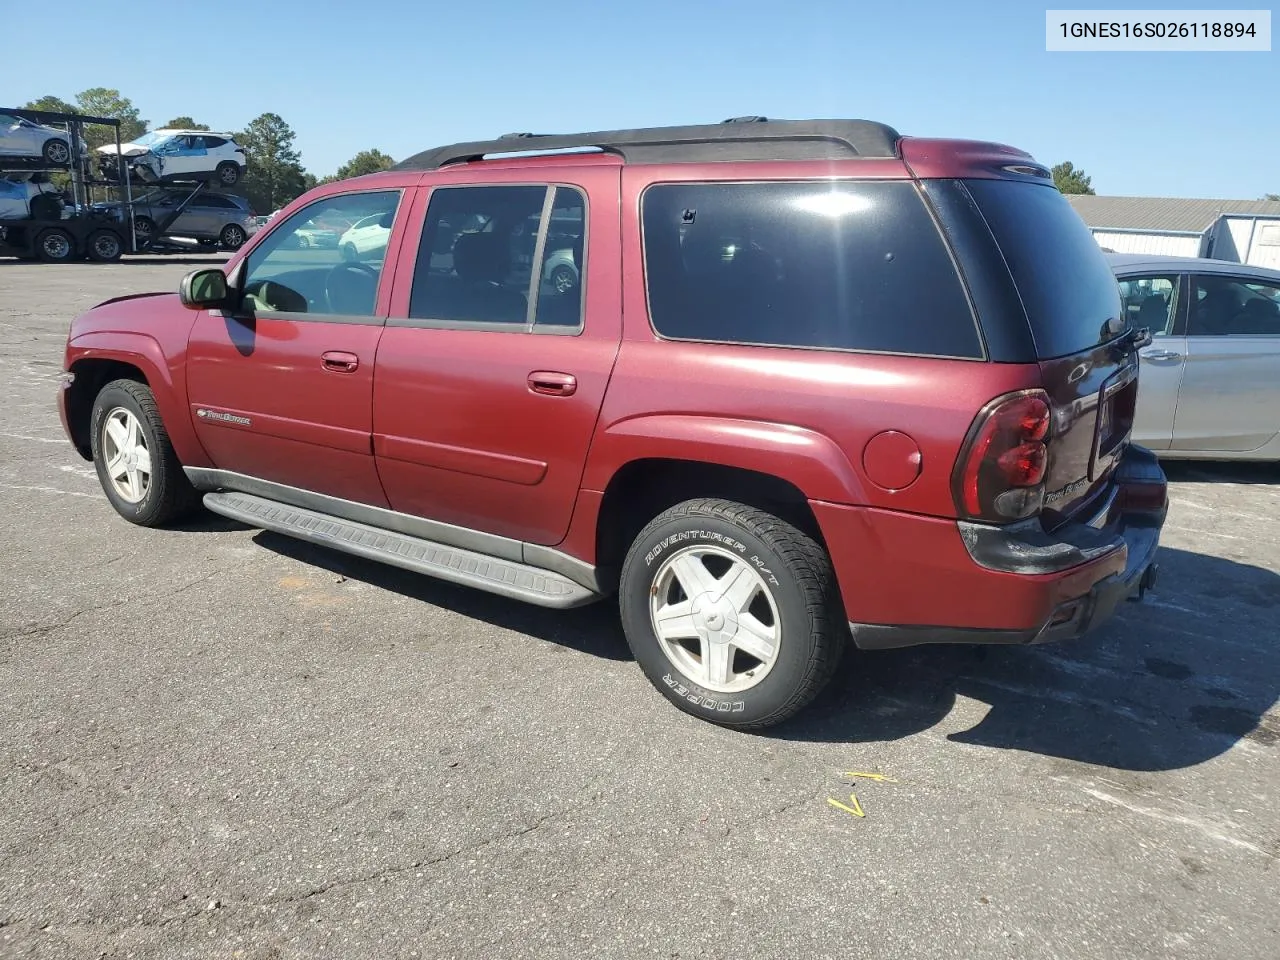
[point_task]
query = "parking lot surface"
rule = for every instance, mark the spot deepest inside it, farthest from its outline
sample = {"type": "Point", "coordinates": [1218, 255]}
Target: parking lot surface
{"type": "Point", "coordinates": [218, 742]}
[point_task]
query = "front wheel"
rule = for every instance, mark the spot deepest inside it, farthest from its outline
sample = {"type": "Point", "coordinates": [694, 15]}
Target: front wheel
{"type": "Point", "coordinates": [732, 613]}
{"type": "Point", "coordinates": [134, 458]}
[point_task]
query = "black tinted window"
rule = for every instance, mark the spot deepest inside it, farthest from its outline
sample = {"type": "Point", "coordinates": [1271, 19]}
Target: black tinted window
{"type": "Point", "coordinates": [857, 266]}
{"type": "Point", "coordinates": [1226, 306]}
{"type": "Point", "coordinates": [212, 142]}
{"type": "Point", "coordinates": [475, 261]}
{"type": "Point", "coordinates": [208, 200]}
{"type": "Point", "coordinates": [562, 270]}
{"type": "Point", "coordinates": [1061, 273]}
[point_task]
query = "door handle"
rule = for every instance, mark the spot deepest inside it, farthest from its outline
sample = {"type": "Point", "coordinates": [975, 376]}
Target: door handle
{"type": "Point", "coordinates": [1162, 355]}
{"type": "Point", "coordinates": [553, 384]}
{"type": "Point", "coordinates": [339, 361]}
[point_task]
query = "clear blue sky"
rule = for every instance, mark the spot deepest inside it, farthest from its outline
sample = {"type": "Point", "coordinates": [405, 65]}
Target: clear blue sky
{"type": "Point", "coordinates": [402, 76]}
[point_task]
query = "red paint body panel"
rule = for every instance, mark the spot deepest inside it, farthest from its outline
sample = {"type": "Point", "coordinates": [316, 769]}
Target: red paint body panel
{"type": "Point", "coordinates": [309, 426]}
{"type": "Point", "coordinates": [897, 568]}
{"type": "Point", "coordinates": [149, 333]}
{"type": "Point", "coordinates": [929, 158]}
{"type": "Point", "coordinates": [459, 435]}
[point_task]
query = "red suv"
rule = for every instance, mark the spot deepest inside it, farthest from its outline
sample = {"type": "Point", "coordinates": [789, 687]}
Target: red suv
{"type": "Point", "coordinates": [812, 381]}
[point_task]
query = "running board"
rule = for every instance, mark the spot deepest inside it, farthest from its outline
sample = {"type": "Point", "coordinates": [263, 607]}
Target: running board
{"type": "Point", "coordinates": [507, 578]}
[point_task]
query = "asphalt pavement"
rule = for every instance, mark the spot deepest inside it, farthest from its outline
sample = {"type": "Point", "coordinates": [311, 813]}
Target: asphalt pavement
{"type": "Point", "coordinates": [218, 742]}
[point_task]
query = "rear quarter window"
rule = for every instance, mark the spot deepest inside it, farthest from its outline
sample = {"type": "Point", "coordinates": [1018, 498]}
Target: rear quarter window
{"type": "Point", "coordinates": [1067, 287]}
{"type": "Point", "coordinates": [857, 265]}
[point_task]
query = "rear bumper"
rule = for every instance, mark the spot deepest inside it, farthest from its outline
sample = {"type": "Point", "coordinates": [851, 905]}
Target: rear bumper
{"type": "Point", "coordinates": [973, 583]}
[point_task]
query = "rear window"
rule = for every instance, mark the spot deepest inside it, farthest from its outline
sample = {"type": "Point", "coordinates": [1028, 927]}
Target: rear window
{"type": "Point", "coordinates": [836, 265]}
{"type": "Point", "coordinates": [1062, 275]}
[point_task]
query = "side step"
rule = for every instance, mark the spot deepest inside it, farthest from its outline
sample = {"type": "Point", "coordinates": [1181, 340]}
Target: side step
{"type": "Point", "coordinates": [505, 577]}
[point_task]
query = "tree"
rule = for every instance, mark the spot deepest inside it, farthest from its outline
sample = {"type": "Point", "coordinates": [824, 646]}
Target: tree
{"type": "Point", "coordinates": [1070, 180]}
{"type": "Point", "coordinates": [184, 123]}
{"type": "Point", "coordinates": [52, 104]}
{"type": "Point", "coordinates": [275, 174]}
{"type": "Point", "coordinates": [1271, 196]}
{"type": "Point", "coordinates": [104, 102]}
{"type": "Point", "coordinates": [366, 161]}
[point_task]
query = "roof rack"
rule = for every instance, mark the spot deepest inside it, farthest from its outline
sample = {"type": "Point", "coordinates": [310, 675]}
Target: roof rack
{"type": "Point", "coordinates": [739, 138]}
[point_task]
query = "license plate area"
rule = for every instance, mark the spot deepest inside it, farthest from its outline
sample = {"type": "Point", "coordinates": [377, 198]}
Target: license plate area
{"type": "Point", "coordinates": [1117, 403]}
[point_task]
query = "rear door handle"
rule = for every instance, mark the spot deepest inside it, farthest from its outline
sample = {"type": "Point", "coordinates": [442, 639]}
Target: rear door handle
{"type": "Point", "coordinates": [1162, 355]}
{"type": "Point", "coordinates": [339, 361]}
{"type": "Point", "coordinates": [553, 384]}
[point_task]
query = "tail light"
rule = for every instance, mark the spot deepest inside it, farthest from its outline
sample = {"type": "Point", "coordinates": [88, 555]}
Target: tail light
{"type": "Point", "coordinates": [999, 475]}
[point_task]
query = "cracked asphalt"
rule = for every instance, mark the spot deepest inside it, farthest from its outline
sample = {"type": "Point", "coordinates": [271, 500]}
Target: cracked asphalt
{"type": "Point", "coordinates": [219, 743]}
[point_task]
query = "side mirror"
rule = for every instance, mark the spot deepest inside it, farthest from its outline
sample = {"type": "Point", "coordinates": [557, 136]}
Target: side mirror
{"type": "Point", "coordinates": [204, 289]}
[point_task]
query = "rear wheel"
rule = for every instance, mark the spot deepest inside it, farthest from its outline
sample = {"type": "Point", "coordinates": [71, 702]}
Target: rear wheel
{"type": "Point", "coordinates": [143, 230]}
{"type": "Point", "coordinates": [135, 461]}
{"type": "Point", "coordinates": [732, 613]}
{"type": "Point", "coordinates": [104, 246]}
{"type": "Point", "coordinates": [228, 173]}
{"type": "Point", "coordinates": [56, 152]}
{"type": "Point", "coordinates": [55, 246]}
{"type": "Point", "coordinates": [232, 236]}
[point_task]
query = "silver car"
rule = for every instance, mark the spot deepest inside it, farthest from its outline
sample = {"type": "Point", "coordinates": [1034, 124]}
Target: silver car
{"type": "Point", "coordinates": [1209, 386]}
{"type": "Point", "coordinates": [221, 219]}
{"type": "Point", "coordinates": [20, 137]}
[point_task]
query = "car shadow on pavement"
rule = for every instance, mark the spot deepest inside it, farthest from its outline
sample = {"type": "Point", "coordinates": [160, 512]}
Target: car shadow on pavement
{"type": "Point", "coordinates": [1166, 684]}
{"type": "Point", "coordinates": [1212, 471]}
{"type": "Point", "coordinates": [592, 629]}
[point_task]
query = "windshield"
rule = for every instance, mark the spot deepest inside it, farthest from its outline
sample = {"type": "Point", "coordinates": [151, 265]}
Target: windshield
{"type": "Point", "coordinates": [150, 139]}
{"type": "Point", "coordinates": [1061, 273]}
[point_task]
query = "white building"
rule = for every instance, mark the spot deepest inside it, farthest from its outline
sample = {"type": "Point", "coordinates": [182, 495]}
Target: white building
{"type": "Point", "coordinates": [1243, 231]}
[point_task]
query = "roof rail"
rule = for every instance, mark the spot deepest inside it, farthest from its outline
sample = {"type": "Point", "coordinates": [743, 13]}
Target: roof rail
{"type": "Point", "coordinates": [739, 138]}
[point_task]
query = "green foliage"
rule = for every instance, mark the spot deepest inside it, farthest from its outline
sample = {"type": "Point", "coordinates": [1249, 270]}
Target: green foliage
{"type": "Point", "coordinates": [275, 173]}
{"type": "Point", "coordinates": [104, 102]}
{"type": "Point", "coordinates": [184, 123]}
{"type": "Point", "coordinates": [52, 104]}
{"type": "Point", "coordinates": [1271, 196]}
{"type": "Point", "coordinates": [364, 162]}
{"type": "Point", "coordinates": [1070, 180]}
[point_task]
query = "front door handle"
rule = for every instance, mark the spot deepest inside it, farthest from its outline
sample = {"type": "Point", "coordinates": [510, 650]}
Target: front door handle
{"type": "Point", "coordinates": [1162, 355]}
{"type": "Point", "coordinates": [553, 384]}
{"type": "Point", "coordinates": [339, 361]}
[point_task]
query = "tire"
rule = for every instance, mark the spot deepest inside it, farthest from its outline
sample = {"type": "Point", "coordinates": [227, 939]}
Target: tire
{"type": "Point", "coordinates": [165, 494]}
{"type": "Point", "coordinates": [227, 173]}
{"type": "Point", "coordinates": [564, 278]}
{"type": "Point", "coordinates": [56, 152]}
{"type": "Point", "coordinates": [303, 242]}
{"type": "Point", "coordinates": [144, 229]}
{"type": "Point", "coordinates": [104, 246]}
{"type": "Point", "coordinates": [232, 236]}
{"type": "Point", "coordinates": [55, 246]}
{"type": "Point", "coordinates": [789, 590]}
{"type": "Point", "coordinates": [45, 206]}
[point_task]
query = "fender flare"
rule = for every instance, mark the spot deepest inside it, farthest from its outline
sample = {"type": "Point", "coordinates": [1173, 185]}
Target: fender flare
{"type": "Point", "coordinates": [810, 461]}
{"type": "Point", "coordinates": [144, 352]}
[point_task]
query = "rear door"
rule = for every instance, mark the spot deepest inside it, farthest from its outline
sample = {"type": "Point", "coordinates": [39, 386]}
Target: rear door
{"type": "Point", "coordinates": [1229, 400]}
{"type": "Point", "coordinates": [1072, 302]}
{"type": "Point", "coordinates": [1157, 302]}
{"type": "Point", "coordinates": [490, 378]}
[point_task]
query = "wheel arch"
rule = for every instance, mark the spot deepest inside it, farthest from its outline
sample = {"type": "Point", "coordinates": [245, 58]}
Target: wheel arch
{"type": "Point", "coordinates": [96, 359]}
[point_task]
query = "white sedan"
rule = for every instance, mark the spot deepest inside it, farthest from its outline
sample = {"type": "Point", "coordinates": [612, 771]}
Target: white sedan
{"type": "Point", "coordinates": [22, 138]}
{"type": "Point", "coordinates": [1209, 384]}
{"type": "Point", "coordinates": [366, 239]}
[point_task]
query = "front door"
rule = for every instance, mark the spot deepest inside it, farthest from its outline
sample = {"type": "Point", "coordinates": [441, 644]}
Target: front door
{"type": "Point", "coordinates": [282, 388]}
{"type": "Point", "coordinates": [1153, 302]}
{"type": "Point", "coordinates": [1229, 400]}
{"type": "Point", "coordinates": [493, 366]}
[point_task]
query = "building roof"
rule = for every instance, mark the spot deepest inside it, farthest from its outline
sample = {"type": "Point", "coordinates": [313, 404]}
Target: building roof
{"type": "Point", "coordinates": [1163, 214]}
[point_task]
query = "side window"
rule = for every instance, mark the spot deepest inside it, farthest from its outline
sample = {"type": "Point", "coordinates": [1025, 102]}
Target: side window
{"type": "Point", "coordinates": [213, 142]}
{"type": "Point", "coordinates": [1150, 302]}
{"type": "Point", "coordinates": [563, 268]}
{"type": "Point", "coordinates": [288, 273]}
{"type": "Point", "coordinates": [1227, 306]}
{"type": "Point", "coordinates": [474, 261]}
{"type": "Point", "coordinates": [853, 266]}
